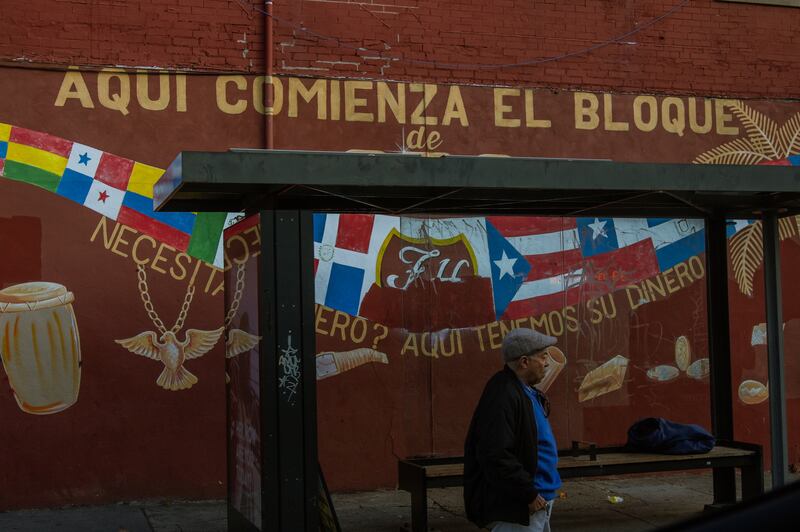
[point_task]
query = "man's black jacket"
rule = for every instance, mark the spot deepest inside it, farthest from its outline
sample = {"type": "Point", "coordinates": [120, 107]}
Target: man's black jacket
{"type": "Point", "coordinates": [500, 454]}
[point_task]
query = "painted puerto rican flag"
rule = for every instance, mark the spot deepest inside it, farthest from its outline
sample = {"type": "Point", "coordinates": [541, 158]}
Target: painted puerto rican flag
{"type": "Point", "coordinates": [575, 259]}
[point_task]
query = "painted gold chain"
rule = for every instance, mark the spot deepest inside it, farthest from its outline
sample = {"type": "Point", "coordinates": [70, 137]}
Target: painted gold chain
{"type": "Point", "coordinates": [144, 292]}
{"type": "Point", "coordinates": [237, 295]}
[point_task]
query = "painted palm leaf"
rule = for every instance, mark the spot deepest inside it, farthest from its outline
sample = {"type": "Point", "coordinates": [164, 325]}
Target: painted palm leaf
{"type": "Point", "coordinates": [761, 130]}
{"type": "Point", "coordinates": [787, 227]}
{"type": "Point", "coordinates": [739, 151]}
{"type": "Point", "coordinates": [747, 255]}
{"type": "Point", "coordinates": [789, 136]}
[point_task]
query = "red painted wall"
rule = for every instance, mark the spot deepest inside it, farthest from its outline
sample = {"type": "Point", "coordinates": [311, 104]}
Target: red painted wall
{"type": "Point", "coordinates": [126, 438]}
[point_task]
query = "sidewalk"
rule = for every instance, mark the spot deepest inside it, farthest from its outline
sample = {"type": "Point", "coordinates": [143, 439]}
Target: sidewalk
{"type": "Point", "coordinates": [648, 502]}
{"type": "Point", "coordinates": [205, 516]}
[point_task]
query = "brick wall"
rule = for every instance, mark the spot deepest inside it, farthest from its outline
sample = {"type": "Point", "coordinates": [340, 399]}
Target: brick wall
{"type": "Point", "coordinates": [699, 47]}
{"type": "Point", "coordinates": [703, 47]}
{"type": "Point", "coordinates": [194, 34]}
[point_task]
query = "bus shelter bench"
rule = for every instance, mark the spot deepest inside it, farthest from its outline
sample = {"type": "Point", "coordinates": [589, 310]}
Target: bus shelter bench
{"type": "Point", "coordinates": [416, 475]}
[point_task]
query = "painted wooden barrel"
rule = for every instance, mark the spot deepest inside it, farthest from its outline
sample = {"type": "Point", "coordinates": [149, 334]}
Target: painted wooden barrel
{"type": "Point", "coordinates": [40, 346]}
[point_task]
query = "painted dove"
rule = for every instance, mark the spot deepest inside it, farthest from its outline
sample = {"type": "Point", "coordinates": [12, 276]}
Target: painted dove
{"type": "Point", "coordinates": [240, 341]}
{"type": "Point", "coordinates": [173, 353]}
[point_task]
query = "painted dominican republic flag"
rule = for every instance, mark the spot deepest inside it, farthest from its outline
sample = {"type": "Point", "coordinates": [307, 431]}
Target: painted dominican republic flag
{"type": "Point", "coordinates": [116, 187]}
{"type": "Point", "coordinates": [345, 249]}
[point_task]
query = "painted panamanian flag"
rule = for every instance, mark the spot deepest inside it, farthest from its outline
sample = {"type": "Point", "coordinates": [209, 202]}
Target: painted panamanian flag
{"type": "Point", "coordinates": [116, 187]}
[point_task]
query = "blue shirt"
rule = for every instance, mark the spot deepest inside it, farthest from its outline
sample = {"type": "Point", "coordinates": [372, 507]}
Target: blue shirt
{"type": "Point", "coordinates": [547, 480]}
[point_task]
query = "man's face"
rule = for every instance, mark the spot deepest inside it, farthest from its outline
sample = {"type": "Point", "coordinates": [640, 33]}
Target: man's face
{"type": "Point", "coordinates": [533, 367]}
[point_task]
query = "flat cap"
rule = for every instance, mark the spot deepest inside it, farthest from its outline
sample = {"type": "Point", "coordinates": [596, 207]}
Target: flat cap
{"type": "Point", "coordinates": [521, 342]}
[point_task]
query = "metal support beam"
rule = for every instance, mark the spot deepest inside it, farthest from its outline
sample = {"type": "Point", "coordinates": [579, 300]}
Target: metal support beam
{"type": "Point", "coordinates": [777, 390]}
{"type": "Point", "coordinates": [719, 349]}
{"type": "Point", "coordinates": [289, 468]}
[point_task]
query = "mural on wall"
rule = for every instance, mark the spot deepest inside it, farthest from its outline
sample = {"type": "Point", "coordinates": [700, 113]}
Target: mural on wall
{"type": "Point", "coordinates": [173, 353]}
{"type": "Point", "coordinates": [243, 367]}
{"type": "Point", "coordinates": [330, 363]}
{"type": "Point", "coordinates": [117, 188]}
{"type": "Point", "coordinates": [512, 267]}
{"type": "Point", "coordinates": [40, 346]}
{"type": "Point", "coordinates": [764, 143]}
{"type": "Point", "coordinates": [166, 347]}
{"type": "Point", "coordinates": [752, 391]}
{"type": "Point", "coordinates": [459, 276]}
{"type": "Point", "coordinates": [604, 379]}
{"type": "Point", "coordinates": [410, 312]}
{"type": "Point", "coordinates": [556, 360]}
{"type": "Point", "coordinates": [238, 341]}
{"type": "Point", "coordinates": [376, 272]}
{"type": "Point", "coordinates": [746, 248]}
{"type": "Point", "coordinates": [697, 369]}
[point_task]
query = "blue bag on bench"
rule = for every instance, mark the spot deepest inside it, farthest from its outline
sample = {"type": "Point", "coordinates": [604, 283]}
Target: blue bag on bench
{"type": "Point", "coordinates": [659, 435]}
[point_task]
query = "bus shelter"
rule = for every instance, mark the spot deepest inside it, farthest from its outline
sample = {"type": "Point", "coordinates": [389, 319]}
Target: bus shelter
{"type": "Point", "coordinates": [285, 188]}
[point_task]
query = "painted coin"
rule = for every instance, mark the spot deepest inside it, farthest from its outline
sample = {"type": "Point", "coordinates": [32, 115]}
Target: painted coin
{"type": "Point", "coordinates": [683, 353]}
{"type": "Point", "coordinates": [698, 369]}
{"type": "Point", "coordinates": [753, 392]}
{"type": "Point", "coordinates": [663, 373]}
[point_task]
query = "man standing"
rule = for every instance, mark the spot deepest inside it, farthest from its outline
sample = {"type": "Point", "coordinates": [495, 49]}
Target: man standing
{"type": "Point", "coordinates": [510, 455]}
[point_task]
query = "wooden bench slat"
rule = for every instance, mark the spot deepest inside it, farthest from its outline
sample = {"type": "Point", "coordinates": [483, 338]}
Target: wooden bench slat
{"type": "Point", "coordinates": [417, 475]}
{"type": "Point", "coordinates": [644, 458]}
{"type": "Point", "coordinates": [603, 459]}
{"type": "Point", "coordinates": [444, 470]}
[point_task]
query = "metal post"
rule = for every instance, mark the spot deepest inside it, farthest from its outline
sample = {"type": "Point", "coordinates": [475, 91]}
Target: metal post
{"type": "Point", "coordinates": [777, 391]}
{"type": "Point", "coordinates": [311, 467]}
{"type": "Point", "coordinates": [270, 429]}
{"type": "Point", "coordinates": [719, 349]}
{"type": "Point", "coordinates": [289, 374]}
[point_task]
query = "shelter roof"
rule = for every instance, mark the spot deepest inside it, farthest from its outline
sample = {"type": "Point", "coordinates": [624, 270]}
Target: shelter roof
{"type": "Point", "coordinates": [395, 183]}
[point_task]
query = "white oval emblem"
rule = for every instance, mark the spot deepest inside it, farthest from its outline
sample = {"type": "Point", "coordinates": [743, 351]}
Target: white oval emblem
{"type": "Point", "coordinates": [326, 252]}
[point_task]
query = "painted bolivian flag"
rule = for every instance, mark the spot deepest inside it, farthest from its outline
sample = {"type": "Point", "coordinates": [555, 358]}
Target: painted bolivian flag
{"type": "Point", "coordinates": [5, 131]}
{"type": "Point", "coordinates": [33, 157]}
{"type": "Point", "coordinates": [117, 188]}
